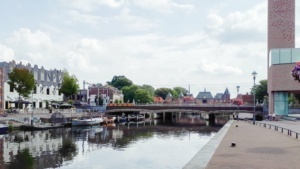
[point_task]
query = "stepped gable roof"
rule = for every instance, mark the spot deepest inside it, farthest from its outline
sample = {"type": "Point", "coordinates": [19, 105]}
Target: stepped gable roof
{"type": "Point", "coordinates": [204, 95]}
{"type": "Point", "coordinates": [219, 96]}
{"type": "Point", "coordinates": [226, 91]}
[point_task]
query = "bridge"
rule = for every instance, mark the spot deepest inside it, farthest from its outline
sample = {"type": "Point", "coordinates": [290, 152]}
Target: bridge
{"type": "Point", "coordinates": [184, 108]}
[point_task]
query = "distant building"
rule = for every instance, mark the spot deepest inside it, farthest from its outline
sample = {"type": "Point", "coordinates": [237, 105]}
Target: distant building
{"type": "Point", "coordinates": [112, 93]}
{"type": "Point", "coordinates": [158, 100]}
{"type": "Point", "coordinates": [169, 98]}
{"type": "Point", "coordinates": [1, 90]}
{"type": "Point", "coordinates": [46, 89]}
{"type": "Point", "coordinates": [204, 98]}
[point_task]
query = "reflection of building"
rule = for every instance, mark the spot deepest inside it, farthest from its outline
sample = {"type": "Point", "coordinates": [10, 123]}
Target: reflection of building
{"type": "Point", "coordinates": [47, 84]}
{"type": "Point", "coordinates": [37, 143]}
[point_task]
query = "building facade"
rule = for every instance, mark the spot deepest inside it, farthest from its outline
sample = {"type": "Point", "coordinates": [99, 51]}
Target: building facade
{"type": "Point", "coordinates": [1, 90]}
{"type": "Point", "coordinates": [47, 85]}
{"type": "Point", "coordinates": [281, 55]}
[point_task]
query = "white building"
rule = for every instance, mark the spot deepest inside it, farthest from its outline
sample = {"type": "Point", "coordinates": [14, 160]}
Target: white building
{"type": "Point", "coordinates": [47, 85]}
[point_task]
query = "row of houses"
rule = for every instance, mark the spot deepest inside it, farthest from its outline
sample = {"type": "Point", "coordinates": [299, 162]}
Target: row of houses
{"type": "Point", "coordinates": [204, 98]}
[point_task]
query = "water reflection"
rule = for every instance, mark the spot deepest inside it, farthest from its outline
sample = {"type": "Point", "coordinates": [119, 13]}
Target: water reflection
{"type": "Point", "coordinates": [62, 148]}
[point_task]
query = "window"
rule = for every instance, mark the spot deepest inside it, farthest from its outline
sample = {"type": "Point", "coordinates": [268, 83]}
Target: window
{"type": "Point", "coordinates": [40, 104]}
{"type": "Point", "coordinates": [11, 89]}
{"type": "Point", "coordinates": [204, 101]}
{"type": "Point", "coordinates": [48, 91]}
{"type": "Point", "coordinates": [34, 90]}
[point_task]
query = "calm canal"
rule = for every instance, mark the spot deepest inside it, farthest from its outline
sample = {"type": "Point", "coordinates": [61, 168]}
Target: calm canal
{"type": "Point", "coordinates": [146, 145]}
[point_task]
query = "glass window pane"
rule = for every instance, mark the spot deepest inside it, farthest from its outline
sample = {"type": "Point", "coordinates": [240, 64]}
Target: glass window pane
{"type": "Point", "coordinates": [285, 55]}
{"type": "Point", "coordinates": [274, 56]}
{"type": "Point", "coordinates": [296, 55]}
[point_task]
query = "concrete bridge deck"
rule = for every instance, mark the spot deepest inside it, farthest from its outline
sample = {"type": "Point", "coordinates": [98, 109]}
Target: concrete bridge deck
{"type": "Point", "coordinates": [256, 147]}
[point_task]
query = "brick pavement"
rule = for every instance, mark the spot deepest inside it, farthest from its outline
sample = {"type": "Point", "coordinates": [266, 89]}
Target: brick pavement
{"type": "Point", "coordinates": [256, 147]}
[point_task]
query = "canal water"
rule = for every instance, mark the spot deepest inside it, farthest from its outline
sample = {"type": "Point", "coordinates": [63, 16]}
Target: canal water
{"type": "Point", "coordinates": [142, 145]}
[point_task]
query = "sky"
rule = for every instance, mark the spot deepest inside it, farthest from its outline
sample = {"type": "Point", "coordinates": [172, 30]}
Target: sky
{"type": "Point", "coordinates": [205, 44]}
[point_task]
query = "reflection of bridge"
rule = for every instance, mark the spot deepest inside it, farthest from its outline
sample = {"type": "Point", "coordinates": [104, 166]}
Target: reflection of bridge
{"type": "Point", "coordinates": [206, 112]}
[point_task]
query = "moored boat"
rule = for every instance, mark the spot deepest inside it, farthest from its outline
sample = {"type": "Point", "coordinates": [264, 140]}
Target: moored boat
{"type": "Point", "coordinates": [87, 121]}
{"type": "Point", "coordinates": [3, 129]}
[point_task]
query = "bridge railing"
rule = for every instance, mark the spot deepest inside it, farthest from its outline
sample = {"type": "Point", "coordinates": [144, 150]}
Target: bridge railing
{"type": "Point", "coordinates": [283, 130]}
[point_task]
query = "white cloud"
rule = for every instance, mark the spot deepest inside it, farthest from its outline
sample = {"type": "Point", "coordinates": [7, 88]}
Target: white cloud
{"type": "Point", "coordinates": [162, 5]}
{"type": "Point", "coordinates": [85, 17]}
{"type": "Point", "coordinates": [134, 23]}
{"type": "Point", "coordinates": [90, 5]}
{"type": "Point", "coordinates": [240, 25]}
{"type": "Point", "coordinates": [6, 53]}
{"type": "Point", "coordinates": [24, 36]}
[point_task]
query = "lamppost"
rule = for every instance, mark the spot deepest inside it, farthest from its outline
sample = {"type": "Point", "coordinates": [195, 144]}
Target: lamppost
{"type": "Point", "coordinates": [254, 76]}
{"type": "Point", "coordinates": [237, 96]}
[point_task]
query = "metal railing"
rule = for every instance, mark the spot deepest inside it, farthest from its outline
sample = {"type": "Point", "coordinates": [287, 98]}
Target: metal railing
{"type": "Point", "coordinates": [283, 130]}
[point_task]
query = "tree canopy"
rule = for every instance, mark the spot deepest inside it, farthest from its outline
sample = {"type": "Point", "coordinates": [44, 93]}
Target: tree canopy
{"type": "Point", "coordinates": [163, 92]}
{"type": "Point", "coordinates": [119, 82]}
{"type": "Point", "coordinates": [21, 80]}
{"type": "Point", "coordinates": [69, 85]}
{"type": "Point", "coordinates": [128, 92]}
{"type": "Point", "coordinates": [260, 90]}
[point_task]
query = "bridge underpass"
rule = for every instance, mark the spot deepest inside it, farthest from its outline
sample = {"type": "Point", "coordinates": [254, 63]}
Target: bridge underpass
{"type": "Point", "coordinates": [208, 114]}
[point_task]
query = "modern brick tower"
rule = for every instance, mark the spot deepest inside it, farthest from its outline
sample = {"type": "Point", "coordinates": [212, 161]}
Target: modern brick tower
{"type": "Point", "coordinates": [281, 54]}
{"type": "Point", "coordinates": [281, 24]}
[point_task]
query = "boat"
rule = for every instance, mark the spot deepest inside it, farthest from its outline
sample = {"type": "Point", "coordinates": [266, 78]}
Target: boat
{"type": "Point", "coordinates": [3, 129]}
{"type": "Point", "coordinates": [136, 117]}
{"type": "Point", "coordinates": [87, 121]}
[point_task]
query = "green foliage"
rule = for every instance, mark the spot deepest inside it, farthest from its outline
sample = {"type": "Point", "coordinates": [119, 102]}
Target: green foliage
{"type": "Point", "coordinates": [260, 90]}
{"type": "Point", "coordinates": [163, 92]}
{"type": "Point", "coordinates": [128, 92]}
{"type": "Point", "coordinates": [292, 99]}
{"type": "Point", "coordinates": [21, 80]}
{"type": "Point", "coordinates": [142, 96]}
{"type": "Point", "coordinates": [69, 85]}
{"type": "Point", "coordinates": [178, 90]}
{"type": "Point", "coordinates": [149, 89]}
{"type": "Point", "coordinates": [119, 82]}
{"type": "Point", "coordinates": [23, 160]}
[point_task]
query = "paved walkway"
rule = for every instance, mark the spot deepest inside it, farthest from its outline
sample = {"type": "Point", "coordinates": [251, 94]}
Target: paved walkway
{"type": "Point", "coordinates": [256, 147]}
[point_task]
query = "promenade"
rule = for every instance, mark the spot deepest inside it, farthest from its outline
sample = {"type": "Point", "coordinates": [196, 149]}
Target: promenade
{"type": "Point", "coordinates": [256, 147]}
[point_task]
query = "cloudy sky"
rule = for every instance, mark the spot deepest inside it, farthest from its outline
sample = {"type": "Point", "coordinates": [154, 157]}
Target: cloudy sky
{"type": "Point", "coordinates": [207, 44]}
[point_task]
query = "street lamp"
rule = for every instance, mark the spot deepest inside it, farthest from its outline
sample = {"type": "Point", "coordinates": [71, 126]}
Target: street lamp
{"type": "Point", "coordinates": [254, 76]}
{"type": "Point", "coordinates": [237, 96]}
{"type": "Point", "coordinates": [237, 89]}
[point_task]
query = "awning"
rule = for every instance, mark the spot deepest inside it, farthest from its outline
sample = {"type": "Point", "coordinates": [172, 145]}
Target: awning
{"type": "Point", "coordinates": [20, 102]}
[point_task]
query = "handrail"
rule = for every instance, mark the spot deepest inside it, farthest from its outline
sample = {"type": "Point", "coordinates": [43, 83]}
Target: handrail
{"type": "Point", "coordinates": [289, 132]}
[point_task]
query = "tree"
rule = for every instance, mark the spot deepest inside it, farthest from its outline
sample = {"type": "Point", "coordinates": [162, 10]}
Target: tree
{"type": "Point", "coordinates": [260, 90]}
{"type": "Point", "coordinates": [119, 82]}
{"type": "Point", "coordinates": [21, 80]}
{"type": "Point", "coordinates": [142, 96]}
{"type": "Point", "coordinates": [149, 89]}
{"type": "Point", "coordinates": [181, 89]}
{"type": "Point", "coordinates": [69, 85]}
{"type": "Point", "coordinates": [128, 92]}
{"type": "Point", "coordinates": [163, 92]}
